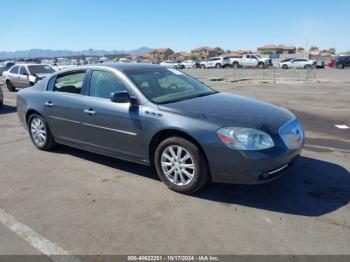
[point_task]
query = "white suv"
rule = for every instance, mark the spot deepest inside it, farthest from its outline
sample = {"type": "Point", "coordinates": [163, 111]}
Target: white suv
{"type": "Point", "coordinates": [215, 62]}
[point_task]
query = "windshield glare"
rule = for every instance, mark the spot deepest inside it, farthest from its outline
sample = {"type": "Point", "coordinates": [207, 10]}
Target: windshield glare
{"type": "Point", "coordinates": [40, 69]}
{"type": "Point", "coordinates": [167, 85]}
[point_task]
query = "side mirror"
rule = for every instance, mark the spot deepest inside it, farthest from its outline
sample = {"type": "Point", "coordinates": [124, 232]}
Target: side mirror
{"type": "Point", "coordinates": [122, 97]}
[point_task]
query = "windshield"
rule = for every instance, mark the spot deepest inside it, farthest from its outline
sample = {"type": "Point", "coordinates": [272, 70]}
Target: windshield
{"type": "Point", "coordinates": [167, 85]}
{"type": "Point", "coordinates": [40, 69]}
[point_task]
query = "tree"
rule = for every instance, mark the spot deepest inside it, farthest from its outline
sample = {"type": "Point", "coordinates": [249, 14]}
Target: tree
{"type": "Point", "coordinates": [194, 57]}
{"type": "Point", "coordinates": [228, 51]}
{"type": "Point", "coordinates": [219, 50]}
{"type": "Point", "coordinates": [301, 49]}
{"type": "Point", "coordinates": [313, 48]}
{"type": "Point", "coordinates": [332, 50]}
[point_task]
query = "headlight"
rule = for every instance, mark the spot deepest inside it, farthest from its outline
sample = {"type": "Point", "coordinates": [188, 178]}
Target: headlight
{"type": "Point", "coordinates": [245, 138]}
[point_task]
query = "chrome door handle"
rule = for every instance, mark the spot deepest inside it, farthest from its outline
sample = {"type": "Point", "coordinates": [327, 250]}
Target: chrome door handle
{"type": "Point", "coordinates": [49, 104]}
{"type": "Point", "coordinates": [90, 112]}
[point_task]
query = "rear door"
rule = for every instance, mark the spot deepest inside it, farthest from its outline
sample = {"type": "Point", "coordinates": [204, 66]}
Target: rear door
{"type": "Point", "coordinates": [63, 105]}
{"type": "Point", "coordinates": [111, 127]}
{"type": "Point", "coordinates": [23, 77]}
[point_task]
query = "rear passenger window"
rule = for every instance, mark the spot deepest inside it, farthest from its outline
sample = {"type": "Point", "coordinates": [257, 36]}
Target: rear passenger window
{"type": "Point", "coordinates": [103, 84]}
{"type": "Point", "coordinates": [70, 83]}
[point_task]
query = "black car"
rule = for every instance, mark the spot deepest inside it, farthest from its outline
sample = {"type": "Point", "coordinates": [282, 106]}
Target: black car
{"type": "Point", "coordinates": [342, 61]}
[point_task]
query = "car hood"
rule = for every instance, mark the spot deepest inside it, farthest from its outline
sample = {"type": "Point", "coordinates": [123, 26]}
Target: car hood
{"type": "Point", "coordinates": [224, 109]}
{"type": "Point", "coordinates": [41, 75]}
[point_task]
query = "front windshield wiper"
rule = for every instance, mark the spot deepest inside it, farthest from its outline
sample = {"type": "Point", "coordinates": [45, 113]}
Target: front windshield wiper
{"type": "Point", "coordinates": [188, 97]}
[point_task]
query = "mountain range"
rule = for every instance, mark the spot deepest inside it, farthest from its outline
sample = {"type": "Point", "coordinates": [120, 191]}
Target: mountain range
{"type": "Point", "coordinates": [33, 53]}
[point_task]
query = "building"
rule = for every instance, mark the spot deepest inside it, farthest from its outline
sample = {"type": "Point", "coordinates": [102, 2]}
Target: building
{"type": "Point", "coordinates": [238, 53]}
{"type": "Point", "coordinates": [181, 56]}
{"type": "Point", "coordinates": [204, 53]}
{"type": "Point", "coordinates": [277, 49]}
{"type": "Point", "coordinates": [161, 54]}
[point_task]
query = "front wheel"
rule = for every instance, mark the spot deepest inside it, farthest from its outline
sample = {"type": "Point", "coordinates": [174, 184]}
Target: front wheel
{"type": "Point", "coordinates": [218, 66]}
{"type": "Point", "coordinates": [40, 133]}
{"type": "Point", "coordinates": [10, 86]}
{"type": "Point", "coordinates": [181, 165]}
{"type": "Point", "coordinates": [202, 66]}
{"type": "Point", "coordinates": [284, 67]}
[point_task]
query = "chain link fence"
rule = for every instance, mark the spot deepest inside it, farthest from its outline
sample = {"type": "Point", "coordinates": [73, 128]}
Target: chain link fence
{"type": "Point", "coordinates": [271, 74]}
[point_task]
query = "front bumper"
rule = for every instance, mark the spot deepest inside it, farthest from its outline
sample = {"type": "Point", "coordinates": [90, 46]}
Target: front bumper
{"type": "Point", "coordinates": [254, 167]}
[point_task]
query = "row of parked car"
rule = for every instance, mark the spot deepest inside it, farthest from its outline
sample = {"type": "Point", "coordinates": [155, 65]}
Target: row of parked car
{"type": "Point", "coordinates": [253, 60]}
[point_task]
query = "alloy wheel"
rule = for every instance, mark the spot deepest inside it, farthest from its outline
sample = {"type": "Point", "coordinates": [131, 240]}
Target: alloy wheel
{"type": "Point", "coordinates": [38, 131]}
{"type": "Point", "coordinates": [177, 165]}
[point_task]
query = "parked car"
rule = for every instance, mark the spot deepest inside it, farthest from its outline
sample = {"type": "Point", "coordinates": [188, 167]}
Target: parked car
{"type": "Point", "coordinates": [190, 64]}
{"type": "Point", "coordinates": [6, 67]}
{"type": "Point", "coordinates": [158, 116]}
{"type": "Point", "coordinates": [172, 64]}
{"type": "Point", "coordinates": [298, 63]}
{"type": "Point", "coordinates": [1, 97]}
{"type": "Point", "coordinates": [250, 60]}
{"type": "Point", "coordinates": [25, 75]}
{"type": "Point", "coordinates": [215, 62]}
{"type": "Point", "coordinates": [340, 61]}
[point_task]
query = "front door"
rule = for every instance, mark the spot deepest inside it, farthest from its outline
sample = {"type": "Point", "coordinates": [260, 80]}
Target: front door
{"type": "Point", "coordinates": [109, 126]}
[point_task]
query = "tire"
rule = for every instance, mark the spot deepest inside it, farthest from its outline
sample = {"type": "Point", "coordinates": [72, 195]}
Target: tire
{"type": "Point", "coordinates": [261, 66]}
{"type": "Point", "coordinates": [307, 66]}
{"type": "Point", "coordinates": [202, 66]}
{"type": "Point", "coordinates": [49, 141]}
{"type": "Point", "coordinates": [218, 66]}
{"type": "Point", "coordinates": [10, 86]}
{"type": "Point", "coordinates": [235, 65]}
{"type": "Point", "coordinates": [183, 184]}
{"type": "Point", "coordinates": [340, 65]}
{"type": "Point", "coordinates": [175, 67]}
{"type": "Point", "coordinates": [1, 104]}
{"type": "Point", "coordinates": [284, 67]}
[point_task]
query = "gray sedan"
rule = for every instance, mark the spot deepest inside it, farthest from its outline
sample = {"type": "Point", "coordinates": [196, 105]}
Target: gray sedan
{"type": "Point", "coordinates": [159, 116]}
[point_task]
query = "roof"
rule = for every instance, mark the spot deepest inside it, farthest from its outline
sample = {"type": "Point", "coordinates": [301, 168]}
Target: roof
{"type": "Point", "coordinates": [160, 49]}
{"type": "Point", "coordinates": [277, 47]}
{"type": "Point", "coordinates": [182, 53]}
{"type": "Point", "coordinates": [127, 66]}
{"type": "Point", "coordinates": [203, 48]}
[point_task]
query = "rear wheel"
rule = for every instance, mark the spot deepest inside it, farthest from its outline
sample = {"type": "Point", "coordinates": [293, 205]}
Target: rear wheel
{"type": "Point", "coordinates": [181, 165]}
{"type": "Point", "coordinates": [307, 66]}
{"type": "Point", "coordinates": [340, 65]}
{"type": "Point", "coordinates": [203, 66]}
{"type": "Point", "coordinates": [235, 65]}
{"type": "Point", "coordinates": [10, 86]}
{"type": "Point", "coordinates": [218, 66]}
{"type": "Point", "coordinates": [261, 65]}
{"type": "Point", "coordinates": [40, 133]}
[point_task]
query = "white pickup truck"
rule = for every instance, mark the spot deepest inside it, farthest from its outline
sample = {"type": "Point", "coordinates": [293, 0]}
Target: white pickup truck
{"type": "Point", "coordinates": [250, 60]}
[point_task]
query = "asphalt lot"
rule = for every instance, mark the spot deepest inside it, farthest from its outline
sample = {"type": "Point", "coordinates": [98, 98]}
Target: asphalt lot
{"type": "Point", "coordinates": [84, 203]}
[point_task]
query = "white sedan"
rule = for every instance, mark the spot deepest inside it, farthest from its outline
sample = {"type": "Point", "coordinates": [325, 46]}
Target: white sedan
{"type": "Point", "coordinates": [298, 63]}
{"type": "Point", "coordinates": [190, 64]}
{"type": "Point", "coordinates": [172, 64]}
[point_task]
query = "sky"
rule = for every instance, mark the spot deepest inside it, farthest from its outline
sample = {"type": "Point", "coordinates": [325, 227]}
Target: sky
{"type": "Point", "coordinates": [178, 24]}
